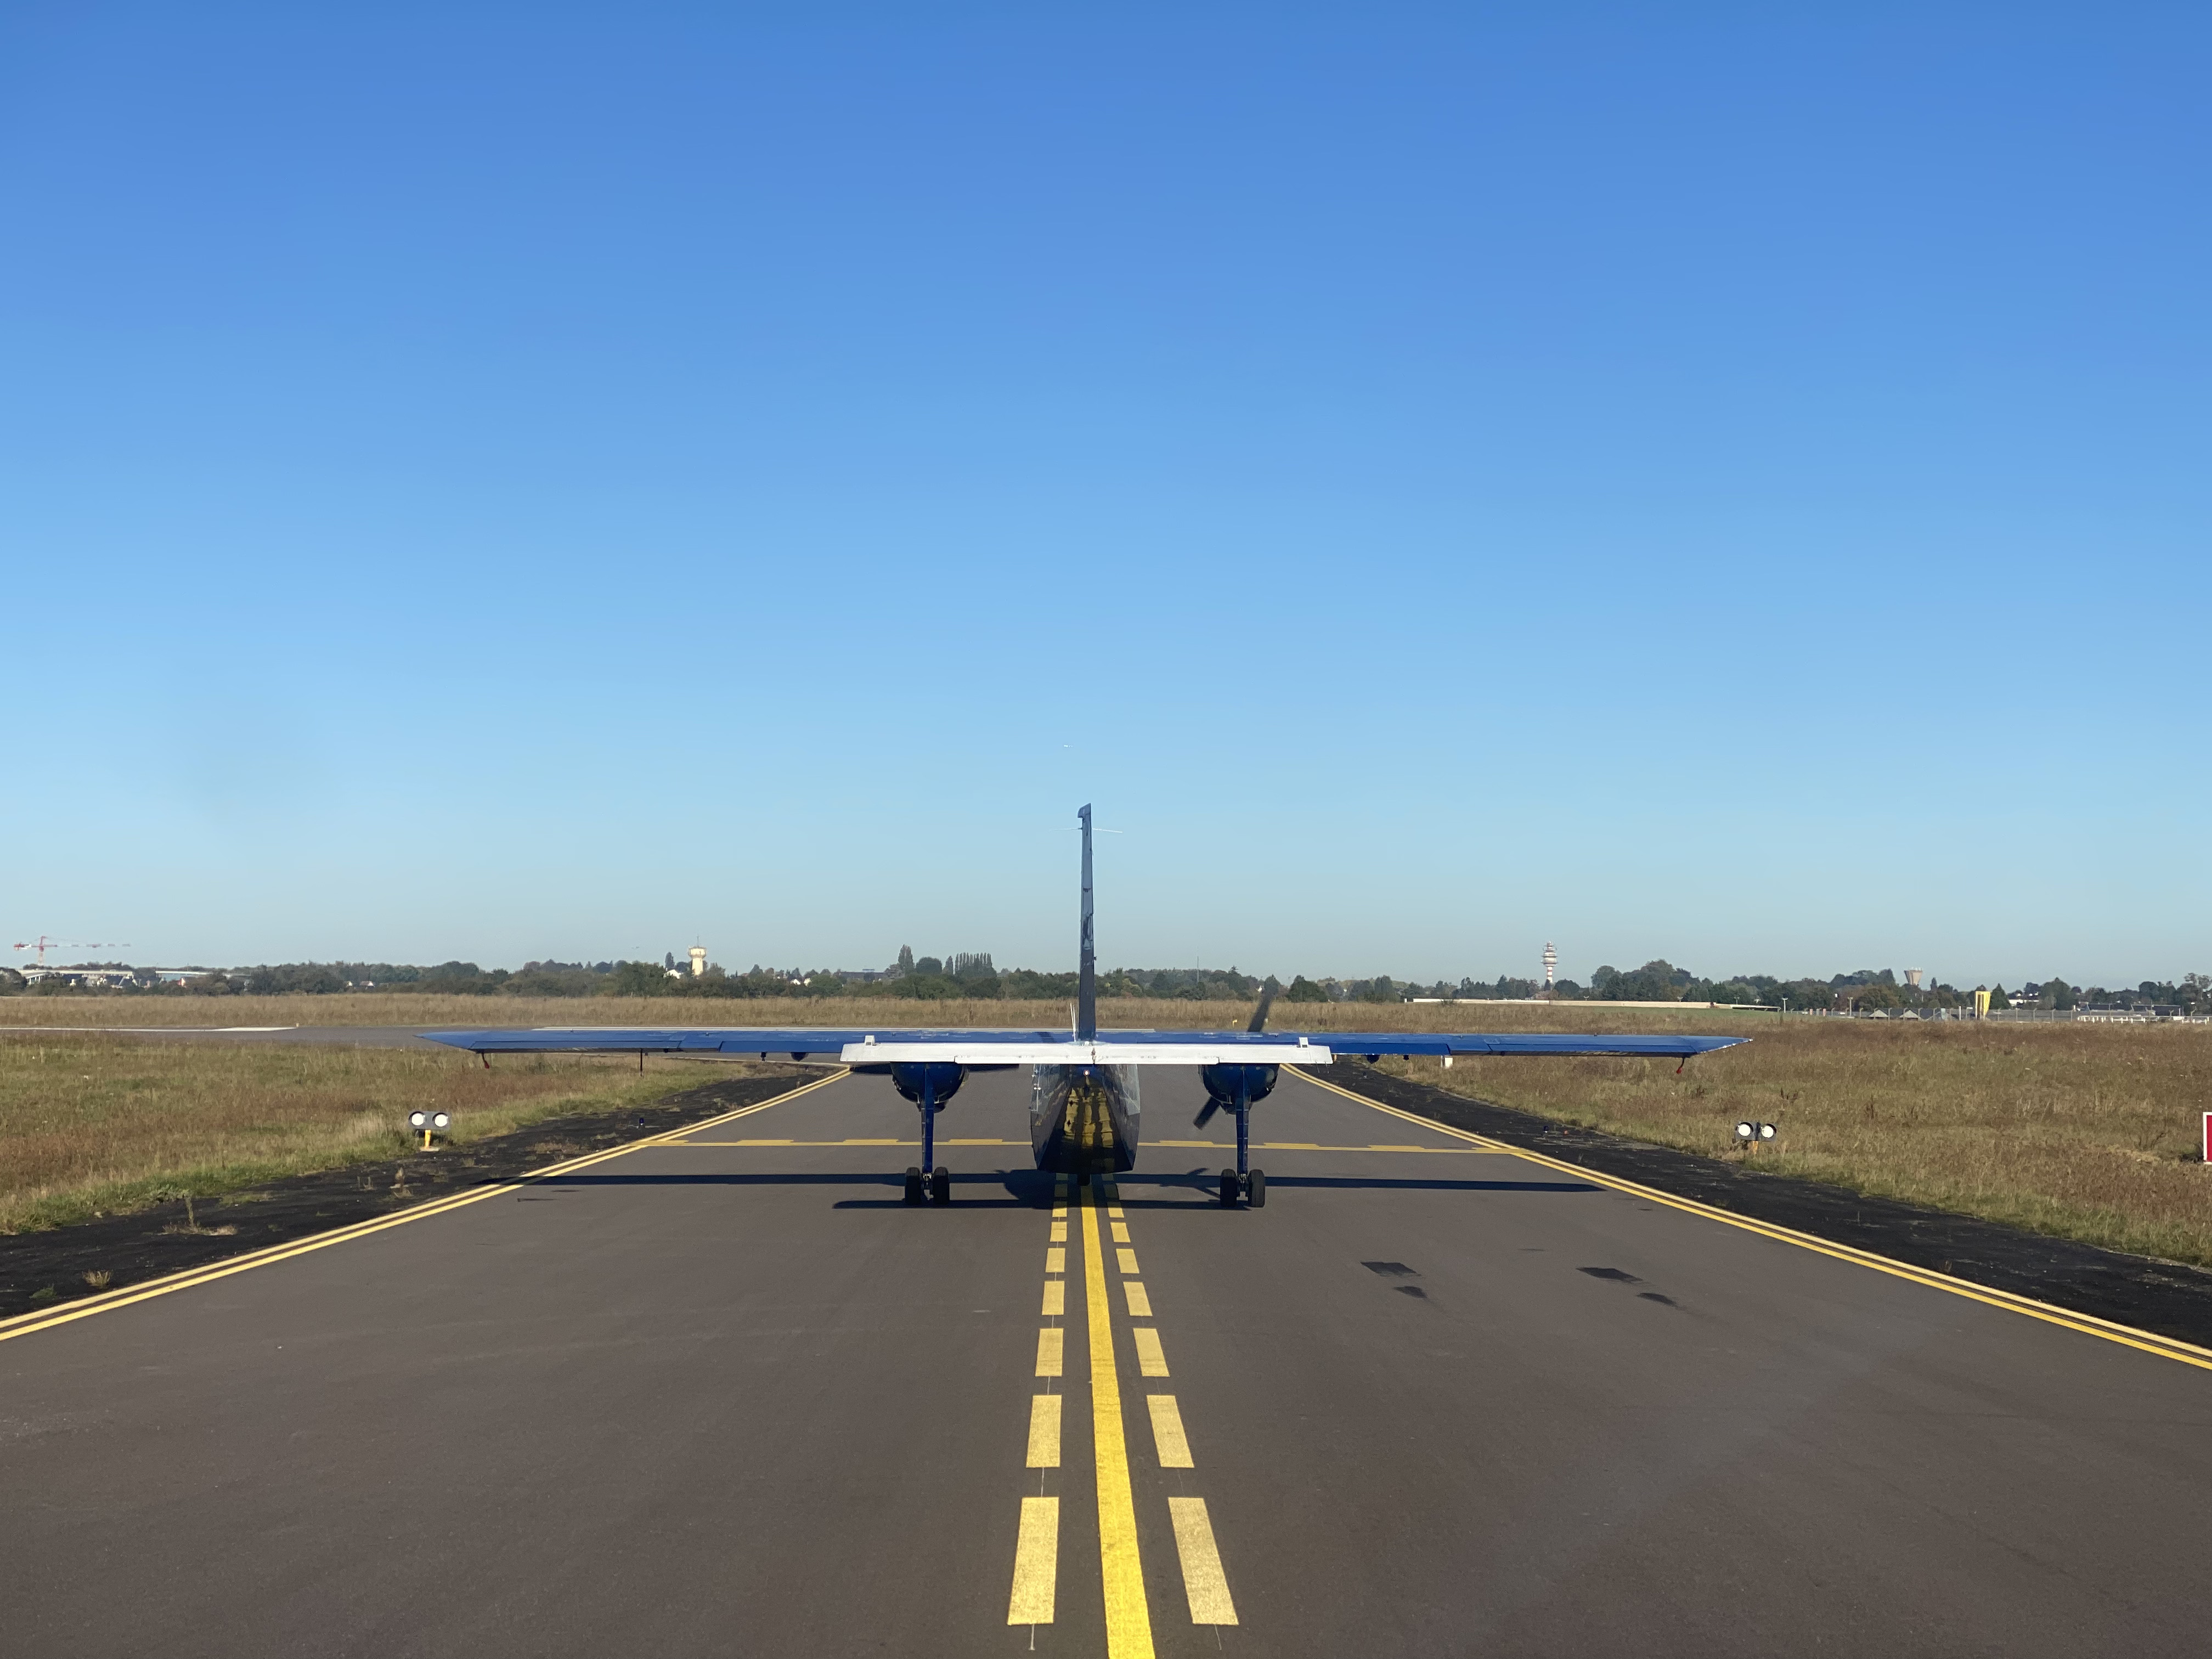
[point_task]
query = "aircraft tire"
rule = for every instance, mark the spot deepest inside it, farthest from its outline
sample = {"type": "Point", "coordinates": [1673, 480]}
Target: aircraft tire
{"type": "Point", "coordinates": [913, 1185]}
{"type": "Point", "coordinates": [1255, 1191]}
{"type": "Point", "coordinates": [1229, 1185]}
{"type": "Point", "coordinates": [940, 1186]}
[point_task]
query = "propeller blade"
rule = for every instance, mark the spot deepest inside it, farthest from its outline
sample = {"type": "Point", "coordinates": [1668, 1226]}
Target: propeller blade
{"type": "Point", "coordinates": [1266, 1001]}
{"type": "Point", "coordinates": [1205, 1113]}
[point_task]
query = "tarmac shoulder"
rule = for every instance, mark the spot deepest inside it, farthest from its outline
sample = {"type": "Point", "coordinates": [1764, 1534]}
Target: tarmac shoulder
{"type": "Point", "coordinates": [2168, 1298]}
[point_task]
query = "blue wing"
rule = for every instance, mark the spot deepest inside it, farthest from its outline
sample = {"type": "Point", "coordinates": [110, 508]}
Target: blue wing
{"type": "Point", "coordinates": [1062, 1047]}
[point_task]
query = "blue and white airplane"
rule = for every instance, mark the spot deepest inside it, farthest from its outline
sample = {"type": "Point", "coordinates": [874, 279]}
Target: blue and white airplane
{"type": "Point", "coordinates": [1085, 1110]}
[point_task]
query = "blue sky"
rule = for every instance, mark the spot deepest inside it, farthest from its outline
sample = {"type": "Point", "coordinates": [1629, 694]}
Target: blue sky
{"type": "Point", "coordinates": [1719, 482]}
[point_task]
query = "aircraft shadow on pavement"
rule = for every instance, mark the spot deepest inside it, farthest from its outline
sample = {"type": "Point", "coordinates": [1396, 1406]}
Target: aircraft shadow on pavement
{"type": "Point", "coordinates": [1203, 1185]}
{"type": "Point", "coordinates": [1021, 1195]}
{"type": "Point", "coordinates": [1033, 1189]}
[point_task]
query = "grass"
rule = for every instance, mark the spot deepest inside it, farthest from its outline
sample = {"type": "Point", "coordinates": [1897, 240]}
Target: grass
{"type": "Point", "coordinates": [2083, 1132]}
{"type": "Point", "coordinates": [94, 1124]}
{"type": "Point", "coordinates": [2087, 1132]}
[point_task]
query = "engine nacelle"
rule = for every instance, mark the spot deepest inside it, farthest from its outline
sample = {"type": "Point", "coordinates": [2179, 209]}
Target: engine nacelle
{"type": "Point", "coordinates": [1221, 1082]}
{"type": "Point", "coordinates": [941, 1077]}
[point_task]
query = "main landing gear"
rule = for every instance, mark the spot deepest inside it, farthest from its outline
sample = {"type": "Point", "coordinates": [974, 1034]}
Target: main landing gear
{"type": "Point", "coordinates": [1253, 1182]}
{"type": "Point", "coordinates": [929, 1087]}
{"type": "Point", "coordinates": [938, 1183]}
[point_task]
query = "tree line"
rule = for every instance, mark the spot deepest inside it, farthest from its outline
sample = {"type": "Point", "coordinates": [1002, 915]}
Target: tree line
{"type": "Point", "coordinates": [972, 976]}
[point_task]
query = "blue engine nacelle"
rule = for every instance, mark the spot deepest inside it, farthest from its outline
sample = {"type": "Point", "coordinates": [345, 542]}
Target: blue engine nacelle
{"type": "Point", "coordinates": [942, 1077]}
{"type": "Point", "coordinates": [1221, 1082]}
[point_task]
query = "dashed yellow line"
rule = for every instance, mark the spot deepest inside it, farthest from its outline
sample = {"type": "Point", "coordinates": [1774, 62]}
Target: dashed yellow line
{"type": "Point", "coordinates": [1128, 1617]}
{"type": "Point", "coordinates": [1151, 1361]}
{"type": "Point", "coordinates": [1036, 1563]}
{"type": "Point", "coordinates": [1127, 1260]}
{"type": "Point", "coordinates": [1056, 1260]}
{"type": "Point", "coordinates": [2187, 1353]}
{"type": "Point", "coordinates": [1167, 1438]}
{"type": "Point", "coordinates": [1052, 1342]}
{"type": "Point", "coordinates": [1055, 1299]}
{"type": "Point", "coordinates": [1044, 1430]}
{"type": "Point", "coordinates": [1120, 1231]}
{"type": "Point", "coordinates": [1203, 1581]}
{"type": "Point", "coordinates": [1140, 1300]}
{"type": "Point", "coordinates": [25, 1324]}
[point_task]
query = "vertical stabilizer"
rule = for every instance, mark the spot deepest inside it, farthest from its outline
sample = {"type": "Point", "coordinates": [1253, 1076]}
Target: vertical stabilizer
{"type": "Point", "coordinates": [1087, 984]}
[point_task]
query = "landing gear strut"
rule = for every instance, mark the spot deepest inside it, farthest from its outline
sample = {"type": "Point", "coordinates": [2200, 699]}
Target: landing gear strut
{"type": "Point", "coordinates": [1244, 1181]}
{"type": "Point", "coordinates": [939, 1180]}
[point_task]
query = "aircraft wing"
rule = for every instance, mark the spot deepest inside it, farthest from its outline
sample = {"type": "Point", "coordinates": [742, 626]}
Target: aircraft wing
{"type": "Point", "coordinates": [887, 1045]}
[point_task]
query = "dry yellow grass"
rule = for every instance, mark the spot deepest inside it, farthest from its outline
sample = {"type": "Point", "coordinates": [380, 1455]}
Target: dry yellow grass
{"type": "Point", "coordinates": [98, 1124]}
{"type": "Point", "coordinates": [2085, 1132]}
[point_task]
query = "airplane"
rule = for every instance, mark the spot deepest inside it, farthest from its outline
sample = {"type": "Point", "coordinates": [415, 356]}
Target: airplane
{"type": "Point", "coordinates": [1085, 1110]}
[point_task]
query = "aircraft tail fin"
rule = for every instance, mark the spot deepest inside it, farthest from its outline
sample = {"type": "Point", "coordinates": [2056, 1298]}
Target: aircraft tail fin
{"type": "Point", "coordinates": [1087, 984]}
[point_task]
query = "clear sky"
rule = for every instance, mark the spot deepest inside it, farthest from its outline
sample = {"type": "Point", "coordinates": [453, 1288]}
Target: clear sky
{"type": "Point", "coordinates": [1723, 481]}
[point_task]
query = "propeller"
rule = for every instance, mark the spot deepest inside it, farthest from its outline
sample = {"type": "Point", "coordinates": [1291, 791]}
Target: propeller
{"type": "Point", "coordinates": [1267, 993]}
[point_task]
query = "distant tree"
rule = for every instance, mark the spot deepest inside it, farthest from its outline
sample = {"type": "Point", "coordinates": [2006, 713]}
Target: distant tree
{"type": "Point", "coordinates": [1304, 990]}
{"type": "Point", "coordinates": [1998, 998]}
{"type": "Point", "coordinates": [1657, 981]}
{"type": "Point", "coordinates": [905, 962]}
{"type": "Point", "coordinates": [637, 979]}
{"type": "Point", "coordinates": [929, 965]}
{"type": "Point", "coordinates": [2058, 994]}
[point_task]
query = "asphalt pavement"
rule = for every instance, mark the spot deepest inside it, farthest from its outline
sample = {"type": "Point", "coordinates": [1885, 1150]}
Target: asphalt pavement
{"type": "Point", "coordinates": [732, 1396]}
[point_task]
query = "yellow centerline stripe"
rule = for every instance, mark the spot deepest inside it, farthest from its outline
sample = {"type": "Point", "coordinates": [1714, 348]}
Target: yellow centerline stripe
{"type": "Point", "coordinates": [24, 1324]}
{"type": "Point", "coordinates": [1129, 1619]}
{"type": "Point", "coordinates": [2165, 1347]}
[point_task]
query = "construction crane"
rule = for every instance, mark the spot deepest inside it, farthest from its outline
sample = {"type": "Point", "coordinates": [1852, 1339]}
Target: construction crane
{"type": "Point", "coordinates": [43, 945]}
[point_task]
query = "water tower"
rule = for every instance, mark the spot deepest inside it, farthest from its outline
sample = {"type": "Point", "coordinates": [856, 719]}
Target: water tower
{"type": "Point", "coordinates": [698, 961]}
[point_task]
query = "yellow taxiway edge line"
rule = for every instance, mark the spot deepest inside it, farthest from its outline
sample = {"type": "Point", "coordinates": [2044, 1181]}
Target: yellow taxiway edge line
{"type": "Point", "coordinates": [852, 1143]}
{"type": "Point", "coordinates": [2165, 1347]}
{"type": "Point", "coordinates": [1128, 1617]}
{"type": "Point", "coordinates": [24, 1324]}
{"type": "Point", "coordinates": [1036, 1563]}
{"type": "Point", "coordinates": [1051, 1346]}
{"type": "Point", "coordinates": [1140, 1299]}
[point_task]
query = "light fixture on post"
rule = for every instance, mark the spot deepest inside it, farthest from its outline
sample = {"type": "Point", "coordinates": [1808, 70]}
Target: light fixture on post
{"type": "Point", "coordinates": [1752, 1134]}
{"type": "Point", "coordinates": [430, 1124]}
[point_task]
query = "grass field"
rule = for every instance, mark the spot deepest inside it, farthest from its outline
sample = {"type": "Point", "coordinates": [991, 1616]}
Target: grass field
{"type": "Point", "coordinates": [94, 1124]}
{"type": "Point", "coordinates": [2089, 1132]}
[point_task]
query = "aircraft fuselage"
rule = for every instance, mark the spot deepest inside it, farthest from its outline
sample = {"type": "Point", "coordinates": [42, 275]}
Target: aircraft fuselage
{"type": "Point", "coordinates": [1084, 1118]}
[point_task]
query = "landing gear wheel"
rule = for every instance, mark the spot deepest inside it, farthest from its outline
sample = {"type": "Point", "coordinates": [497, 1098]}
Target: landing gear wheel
{"type": "Point", "coordinates": [913, 1185]}
{"type": "Point", "coordinates": [1255, 1189]}
{"type": "Point", "coordinates": [1229, 1189]}
{"type": "Point", "coordinates": [940, 1186]}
